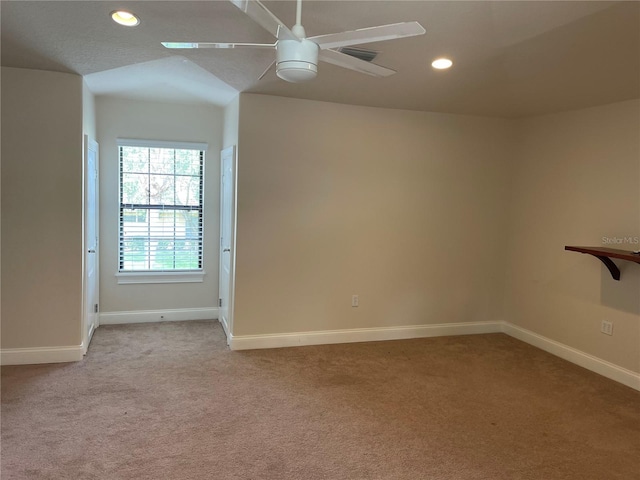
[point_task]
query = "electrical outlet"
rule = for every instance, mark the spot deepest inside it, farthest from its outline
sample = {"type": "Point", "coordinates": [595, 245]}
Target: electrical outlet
{"type": "Point", "coordinates": [606, 327]}
{"type": "Point", "coordinates": [354, 300]}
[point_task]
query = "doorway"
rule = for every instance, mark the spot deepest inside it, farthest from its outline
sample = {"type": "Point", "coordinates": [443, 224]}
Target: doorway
{"type": "Point", "coordinates": [228, 184]}
{"type": "Point", "coordinates": [91, 279]}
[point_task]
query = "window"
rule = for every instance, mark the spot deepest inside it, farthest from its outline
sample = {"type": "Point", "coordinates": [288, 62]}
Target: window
{"type": "Point", "coordinates": [161, 207]}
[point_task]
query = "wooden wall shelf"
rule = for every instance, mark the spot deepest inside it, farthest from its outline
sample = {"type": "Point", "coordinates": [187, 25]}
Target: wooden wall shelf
{"type": "Point", "coordinates": [606, 254]}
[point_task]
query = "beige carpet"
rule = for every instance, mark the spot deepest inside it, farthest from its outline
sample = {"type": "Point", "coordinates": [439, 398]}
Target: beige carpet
{"type": "Point", "coordinates": [170, 401]}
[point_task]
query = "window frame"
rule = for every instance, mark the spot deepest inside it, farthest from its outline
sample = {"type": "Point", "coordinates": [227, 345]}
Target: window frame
{"type": "Point", "coordinates": [126, 277]}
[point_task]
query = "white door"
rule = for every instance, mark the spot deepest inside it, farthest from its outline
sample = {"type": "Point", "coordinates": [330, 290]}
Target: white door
{"type": "Point", "coordinates": [228, 171]}
{"type": "Point", "coordinates": [90, 284]}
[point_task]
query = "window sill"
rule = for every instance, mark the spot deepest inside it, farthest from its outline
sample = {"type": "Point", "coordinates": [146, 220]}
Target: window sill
{"type": "Point", "coordinates": [131, 278]}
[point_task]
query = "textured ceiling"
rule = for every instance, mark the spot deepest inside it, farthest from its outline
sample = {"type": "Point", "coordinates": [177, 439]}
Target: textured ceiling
{"type": "Point", "coordinates": [512, 59]}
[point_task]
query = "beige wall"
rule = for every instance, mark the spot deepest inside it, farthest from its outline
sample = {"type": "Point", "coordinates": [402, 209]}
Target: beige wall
{"type": "Point", "coordinates": [156, 121]}
{"type": "Point", "coordinates": [577, 180]}
{"type": "Point", "coordinates": [41, 208]}
{"type": "Point", "coordinates": [404, 209]}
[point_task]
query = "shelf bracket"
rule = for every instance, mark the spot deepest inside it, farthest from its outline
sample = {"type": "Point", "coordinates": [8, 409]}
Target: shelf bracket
{"type": "Point", "coordinates": [613, 268]}
{"type": "Point", "coordinates": [606, 254]}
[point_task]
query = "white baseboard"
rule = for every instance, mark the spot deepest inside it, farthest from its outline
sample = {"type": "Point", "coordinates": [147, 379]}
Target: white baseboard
{"type": "Point", "coordinates": [250, 342]}
{"type": "Point", "coordinates": [595, 364]}
{"type": "Point", "coordinates": [30, 356]}
{"type": "Point", "coordinates": [147, 316]}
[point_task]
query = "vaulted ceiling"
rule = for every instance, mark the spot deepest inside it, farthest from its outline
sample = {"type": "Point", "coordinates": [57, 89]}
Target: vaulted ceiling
{"type": "Point", "coordinates": [512, 59]}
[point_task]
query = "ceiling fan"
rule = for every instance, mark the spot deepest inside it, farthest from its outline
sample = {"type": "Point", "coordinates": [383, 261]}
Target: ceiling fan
{"type": "Point", "coordinates": [297, 56]}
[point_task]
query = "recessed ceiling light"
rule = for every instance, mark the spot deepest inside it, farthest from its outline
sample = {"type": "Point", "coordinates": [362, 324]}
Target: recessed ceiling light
{"type": "Point", "coordinates": [441, 63]}
{"type": "Point", "coordinates": [125, 18]}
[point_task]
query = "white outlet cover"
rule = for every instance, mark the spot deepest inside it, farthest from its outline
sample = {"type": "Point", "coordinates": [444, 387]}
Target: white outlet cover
{"type": "Point", "coordinates": [606, 327]}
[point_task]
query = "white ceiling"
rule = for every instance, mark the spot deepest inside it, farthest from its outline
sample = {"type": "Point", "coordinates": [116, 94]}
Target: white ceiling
{"type": "Point", "coordinates": [176, 79]}
{"type": "Point", "coordinates": [512, 58]}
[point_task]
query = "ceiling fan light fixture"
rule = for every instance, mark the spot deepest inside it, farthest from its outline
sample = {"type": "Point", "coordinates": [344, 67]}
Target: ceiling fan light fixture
{"type": "Point", "coordinates": [297, 61]}
{"type": "Point", "coordinates": [441, 63]}
{"type": "Point", "coordinates": [296, 72]}
{"type": "Point", "coordinates": [122, 17]}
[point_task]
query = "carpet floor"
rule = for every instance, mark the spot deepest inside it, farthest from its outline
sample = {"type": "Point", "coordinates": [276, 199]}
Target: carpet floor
{"type": "Point", "coordinates": [170, 401]}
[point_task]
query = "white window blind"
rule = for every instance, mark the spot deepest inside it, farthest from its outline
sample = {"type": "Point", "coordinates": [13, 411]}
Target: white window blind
{"type": "Point", "coordinates": [161, 206]}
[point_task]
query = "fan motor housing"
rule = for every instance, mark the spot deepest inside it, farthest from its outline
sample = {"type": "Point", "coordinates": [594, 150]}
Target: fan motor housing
{"type": "Point", "coordinates": [297, 61]}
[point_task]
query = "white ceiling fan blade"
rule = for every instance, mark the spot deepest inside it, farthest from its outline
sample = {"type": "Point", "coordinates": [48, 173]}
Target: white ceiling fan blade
{"type": "Point", "coordinates": [352, 63]}
{"type": "Point", "coordinates": [263, 17]}
{"type": "Point", "coordinates": [266, 70]}
{"type": "Point", "coordinates": [187, 45]}
{"type": "Point", "coordinates": [369, 35]}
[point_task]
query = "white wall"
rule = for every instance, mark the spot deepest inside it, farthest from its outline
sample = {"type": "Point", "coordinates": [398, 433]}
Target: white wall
{"type": "Point", "coordinates": [156, 121]}
{"type": "Point", "coordinates": [577, 180]}
{"type": "Point", "coordinates": [41, 208]}
{"type": "Point", "coordinates": [88, 112]}
{"type": "Point", "coordinates": [231, 123]}
{"type": "Point", "coordinates": [405, 209]}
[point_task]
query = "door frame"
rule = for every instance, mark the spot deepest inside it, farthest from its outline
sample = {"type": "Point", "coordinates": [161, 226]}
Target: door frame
{"type": "Point", "coordinates": [233, 153]}
{"type": "Point", "coordinates": [89, 145]}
